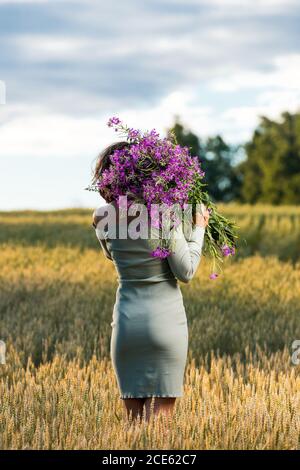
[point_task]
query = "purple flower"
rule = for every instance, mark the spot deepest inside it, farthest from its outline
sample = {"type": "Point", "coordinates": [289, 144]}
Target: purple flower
{"type": "Point", "coordinates": [113, 121]}
{"type": "Point", "coordinates": [155, 170]}
{"type": "Point", "coordinates": [160, 252]}
{"type": "Point", "coordinates": [213, 276]}
{"type": "Point", "coordinates": [227, 250]}
{"type": "Point", "coordinates": [133, 134]}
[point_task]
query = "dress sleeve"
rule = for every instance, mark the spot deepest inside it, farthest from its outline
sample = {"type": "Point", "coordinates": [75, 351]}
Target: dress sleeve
{"type": "Point", "coordinates": [185, 259]}
{"type": "Point", "coordinates": [105, 249]}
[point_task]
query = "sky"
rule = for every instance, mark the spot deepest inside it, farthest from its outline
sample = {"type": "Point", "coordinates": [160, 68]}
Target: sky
{"type": "Point", "coordinates": [66, 66]}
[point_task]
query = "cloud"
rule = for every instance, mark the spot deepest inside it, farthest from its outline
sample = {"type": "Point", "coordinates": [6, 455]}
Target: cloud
{"type": "Point", "coordinates": [57, 134]}
{"type": "Point", "coordinates": [284, 74]}
{"type": "Point", "coordinates": [78, 64]}
{"type": "Point", "coordinates": [5, 2]}
{"type": "Point", "coordinates": [45, 135]}
{"type": "Point", "coordinates": [258, 5]}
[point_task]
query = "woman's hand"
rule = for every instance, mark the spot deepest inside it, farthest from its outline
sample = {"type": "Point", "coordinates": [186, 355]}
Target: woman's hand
{"type": "Point", "coordinates": [201, 218]}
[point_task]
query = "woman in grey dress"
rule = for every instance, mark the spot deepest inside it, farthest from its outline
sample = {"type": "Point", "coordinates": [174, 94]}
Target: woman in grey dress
{"type": "Point", "coordinates": [149, 338]}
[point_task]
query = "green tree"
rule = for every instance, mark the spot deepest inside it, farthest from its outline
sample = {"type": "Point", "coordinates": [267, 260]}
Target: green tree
{"type": "Point", "coordinates": [271, 172]}
{"type": "Point", "coordinates": [222, 179]}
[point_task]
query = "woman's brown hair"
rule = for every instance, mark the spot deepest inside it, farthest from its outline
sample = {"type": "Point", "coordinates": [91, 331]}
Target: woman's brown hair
{"type": "Point", "coordinates": [103, 163]}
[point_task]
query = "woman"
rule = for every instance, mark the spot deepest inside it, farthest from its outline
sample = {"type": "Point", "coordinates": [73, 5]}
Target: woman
{"type": "Point", "coordinates": [149, 339]}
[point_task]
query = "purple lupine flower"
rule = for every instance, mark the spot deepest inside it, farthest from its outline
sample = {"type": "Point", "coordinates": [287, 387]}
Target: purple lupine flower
{"type": "Point", "coordinates": [213, 276]}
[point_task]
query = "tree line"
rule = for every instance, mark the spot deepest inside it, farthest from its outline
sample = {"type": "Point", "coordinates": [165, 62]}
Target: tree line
{"type": "Point", "coordinates": [269, 170]}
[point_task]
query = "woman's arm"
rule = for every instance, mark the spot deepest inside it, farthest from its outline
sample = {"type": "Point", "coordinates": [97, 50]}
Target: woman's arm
{"type": "Point", "coordinates": [100, 235]}
{"type": "Point", "coordinates": [185, 260]}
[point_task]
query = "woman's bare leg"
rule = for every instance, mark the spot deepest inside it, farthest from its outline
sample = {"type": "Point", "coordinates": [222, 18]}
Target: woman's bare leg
{"type": "Point", "coordinates": [134, 407]}
{"type": "Point", "coordinates": [159, 405]}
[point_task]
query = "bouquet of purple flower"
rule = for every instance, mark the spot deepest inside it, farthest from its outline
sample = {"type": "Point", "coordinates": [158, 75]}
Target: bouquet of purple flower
{"type": "Point", "coordinates": [158, 171]}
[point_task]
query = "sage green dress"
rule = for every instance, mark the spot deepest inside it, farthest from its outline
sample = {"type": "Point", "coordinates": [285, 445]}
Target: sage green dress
{"type": "Point", "coordinates": [149, 339]}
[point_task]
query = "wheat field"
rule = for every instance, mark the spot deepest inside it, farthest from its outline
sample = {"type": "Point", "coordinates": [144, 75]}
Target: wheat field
{"type": "Point", "coordinates": [58, 389]}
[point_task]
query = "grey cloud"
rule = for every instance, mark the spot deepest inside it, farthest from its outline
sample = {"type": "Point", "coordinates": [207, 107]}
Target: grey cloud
{"type": "Point", "coordinates": [134, 54]}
